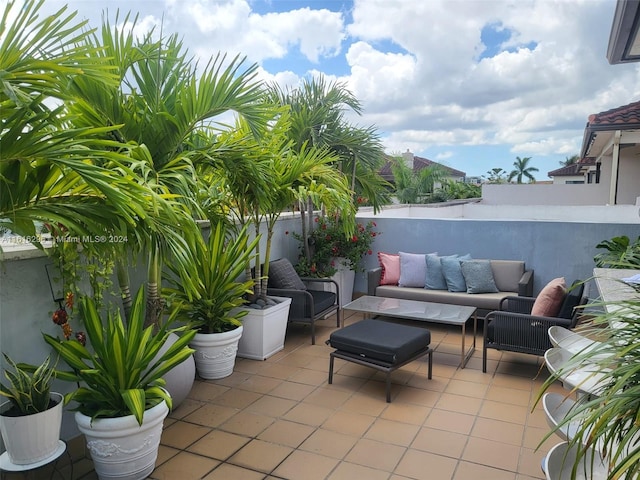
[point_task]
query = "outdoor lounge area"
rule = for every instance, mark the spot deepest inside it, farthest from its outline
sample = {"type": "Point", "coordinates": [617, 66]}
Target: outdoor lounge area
{"type": "Point", "coordinates": [279, 419]}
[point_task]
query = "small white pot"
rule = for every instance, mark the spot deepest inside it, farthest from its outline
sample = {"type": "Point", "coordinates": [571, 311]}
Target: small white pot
{"type": "Point", "coordinates": [119, 447]}
{"type": "Point", "coordinates": [32, 438]}
{"type": "Point", "coordinates": [215, 353]}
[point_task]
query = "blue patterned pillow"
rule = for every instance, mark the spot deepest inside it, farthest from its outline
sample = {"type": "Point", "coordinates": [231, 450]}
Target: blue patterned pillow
{"type": "Point", "coordinates": [434, 279]}
{"type": "Point", "coordinates": [478, 276]}
{"type": "Point", "coordinates": [452, 271]}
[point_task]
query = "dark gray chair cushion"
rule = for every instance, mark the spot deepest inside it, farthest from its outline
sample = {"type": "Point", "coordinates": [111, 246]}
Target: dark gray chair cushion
{"type": "Point", "coordinates": [283, 275]}
{"type": "Point", "coordinates": [571, 300]}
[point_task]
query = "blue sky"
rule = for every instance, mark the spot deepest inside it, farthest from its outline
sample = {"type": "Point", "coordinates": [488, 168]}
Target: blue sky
{"type": "Point", "coordinates": [469, 83]}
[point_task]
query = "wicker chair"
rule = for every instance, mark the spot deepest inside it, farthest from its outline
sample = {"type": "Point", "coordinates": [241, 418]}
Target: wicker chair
{"type": "Point", "coordinates": [307, 305]}
{"type": "Point", "coordinates": [514, 329]}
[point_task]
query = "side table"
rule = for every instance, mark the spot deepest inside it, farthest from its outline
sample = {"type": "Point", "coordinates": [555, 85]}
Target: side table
{"type": "Point", "coordinates": [29, 470]}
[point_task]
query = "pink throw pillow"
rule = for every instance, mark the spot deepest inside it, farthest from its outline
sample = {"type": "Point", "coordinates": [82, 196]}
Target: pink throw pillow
{"type": "Point", "coordinates": [390, 264]}
{"type": "Point", "coordinates": [550, 299]}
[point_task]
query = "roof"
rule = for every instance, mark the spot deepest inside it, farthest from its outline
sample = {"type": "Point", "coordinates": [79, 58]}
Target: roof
{"type": "Point", "coordinates": [572, 170]}
{"type": "Point", "coordinates": [626, 117]}
{"type": "Point", "coordinates": [419, 163]}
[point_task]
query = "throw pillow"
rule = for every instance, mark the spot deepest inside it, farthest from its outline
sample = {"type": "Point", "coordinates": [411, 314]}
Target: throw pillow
{"type": "Point", "coordinates": [434, 279]}
{"type": "Point", "coordinates": [478, 276]}
{"type": "Point", "coordinates": [413, 269]}
{"type": "Point", "coordinates": [571, 300]}
{"type": "Point", "coordinates": [390, 264]}
{"type": "Point", "coordinates": [452, 271]}
{"type": "Point", "coordinates": [283, 275]}
{"type": "Point", "coordinates": [550, 298]}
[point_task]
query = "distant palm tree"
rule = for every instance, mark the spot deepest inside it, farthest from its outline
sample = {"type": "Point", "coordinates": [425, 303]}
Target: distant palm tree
{"type": "Point", "coordinates": [496, 175]}
{"type": "Point", "coordinates": [570, 160]}
{"type": "Point", "coordinates": [522, 169]}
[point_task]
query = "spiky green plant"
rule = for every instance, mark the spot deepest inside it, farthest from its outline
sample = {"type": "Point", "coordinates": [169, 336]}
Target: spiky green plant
{"type": "Point", "coordinates": [28, 392]}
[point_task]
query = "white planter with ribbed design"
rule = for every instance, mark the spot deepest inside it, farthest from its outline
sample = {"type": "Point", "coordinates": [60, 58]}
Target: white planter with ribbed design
{"type": "Point", "coordinates": [215, 353]}
{"type": "Point", "coordinates": [120, 448]}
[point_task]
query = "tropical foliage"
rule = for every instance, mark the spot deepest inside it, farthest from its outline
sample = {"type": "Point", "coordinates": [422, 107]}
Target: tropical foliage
{"type": "Point", "coordinates": [619, 253]}
{"type": "Point", "coordinates": [522, 170]}
{"type": "Point", "coordinates": [412, 188]}
{"type": "Point", "coordinates": [28, 392]}
{"type": "Point", "coordinates": [122, 373]}
{"type": "Point", "coordinates": [496, 175]}
{"type": "Point", "coordinates": [220, 263]}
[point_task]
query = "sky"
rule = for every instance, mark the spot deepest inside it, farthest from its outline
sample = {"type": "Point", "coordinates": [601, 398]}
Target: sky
{"type": "Point", "coordinates": [471, 84]}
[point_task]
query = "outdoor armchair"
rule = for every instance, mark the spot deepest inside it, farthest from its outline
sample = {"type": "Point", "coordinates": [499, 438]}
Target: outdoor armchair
{"type": "Point", "coordinates": [307, 305]}
{"type": "Point", "coordinates": [514, 329]}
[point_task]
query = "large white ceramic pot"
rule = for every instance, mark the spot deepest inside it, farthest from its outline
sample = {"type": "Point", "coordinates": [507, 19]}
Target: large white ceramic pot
{"type": "Point", "coordinates": [33, 438]}
{"type": "Point", "coordinates": [181, 377]}
{"type": "Point", "coordinates": [345, 278]}
{"type": "Point", "coordinates": [264, 330]}
{"type": "Point", "coordinates": [119, 447]}
{"type": "Point", "coordinates": [215, 353]}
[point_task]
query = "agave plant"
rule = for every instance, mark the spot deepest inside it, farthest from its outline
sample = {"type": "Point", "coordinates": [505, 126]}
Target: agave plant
{"type": "Point", "coordinates": [123, 374]}
{"type": "Point", "coordinates": [28, 392]}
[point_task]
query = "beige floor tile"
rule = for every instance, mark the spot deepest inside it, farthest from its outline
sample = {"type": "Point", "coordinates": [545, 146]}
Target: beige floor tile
{"type": "Point", "coordinates": [425, 466]}
{"type": "Point", "coordinates": [512, 382]}
{"type": "Point", "coordinates": [418, 396]}
{"type": "Point", "coordinates": [236, 398]}
{"type": "Point", "coordinates": [261, 456]}
{"type": "Point", "coordinates": [491, 453]}
{"type": "Point", "coordinates": [504, 432]}
{"type": "Point", "coordinates": [260, 384]}
{"type": "Point", "coordinates": [534, 435]}
{"type": "Point", "coordinates": [292, 390]}
{"type": "Point", "coordinates": [205, 391]}
{"type": "Point", "coordinates": [373, 454]}
{"type": "Point", "coordinates": [530, 462]}
{"type": "Point", "coordinates": [509, 395]}
{"type": "Point", "coordinates": [473, 471]}
{"type": "Point", "coordinates": [459, 403]}
{"type": "Point", "coordinates": [450, 421]}
{"type": "Point", "coordinates": [165, 453]}
{"type": "Point", "coordinates": [272, 406]}
{"type": "Point", "coordinates": [185, 466]}
{"type": "Point", "coordinates": [346, 383]}
{"type": "Point", "coordinates": [219, 445]}
{"type": "Point", "coordinates": [349, 423]}
{"type": "Point", "coordinates": [474, 375]}
{"type": "Point", "coordinates": [187, 406]}
{"type": "Point", "coordinates": [233, 472]}
{"type": "Point", "coordinates": [351, 471]}
{"type": "Point", "coordinates": [247, 423]}
{"type": "Point", "coordinates": [211, 415]}
{"type": "Point", "coordinates": [283, 432]}
{"type": "Point", "coordinates": [467, 388]}
{"type": "Point", "coordinates": [392, 432]}
{"type": "Point", "coordinates": [406, 413]}
{"type": "Point", "coordinates": [182, 434]}
{"type": "Point", "coordinates": [275, 370]}
{"type": "Point", "coordinates": [440, 442]}
{"type": "Point", "coordinates": [305, 465]}
{"type": "Point", "coordinates": [328, 443]}
{"type": "Point", "coordinates": [308, 414]}
{"type": "Point", "coordinates": [328, 397]}
{"type": "Point", "coordinates": [503, 411]}
{"type": "Point", "coordinates": [309, 377]}
{"type": "Point", "coordinates": [296, 359]}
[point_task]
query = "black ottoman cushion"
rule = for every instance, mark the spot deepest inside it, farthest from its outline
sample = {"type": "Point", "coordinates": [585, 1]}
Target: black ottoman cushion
{"type": "Point", "coordinates": [383, 341]}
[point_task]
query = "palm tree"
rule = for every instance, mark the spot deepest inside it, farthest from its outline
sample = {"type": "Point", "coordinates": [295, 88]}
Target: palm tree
{"type": "Point", "coordinates": [522, 169]}
{"type": "Point", "coordinates": [415, 189]}
{"type": "Point", "coordinates": [162, 102]}
{"type": "Point", "coordinates": [570, 160]}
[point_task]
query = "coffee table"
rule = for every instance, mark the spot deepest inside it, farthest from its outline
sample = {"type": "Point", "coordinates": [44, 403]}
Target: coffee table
{"type": "Point", "coordinates": [421, 312]}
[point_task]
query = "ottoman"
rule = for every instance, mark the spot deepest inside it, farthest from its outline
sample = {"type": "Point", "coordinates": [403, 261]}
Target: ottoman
{"type": "Point", "coordinates": [383, 346]}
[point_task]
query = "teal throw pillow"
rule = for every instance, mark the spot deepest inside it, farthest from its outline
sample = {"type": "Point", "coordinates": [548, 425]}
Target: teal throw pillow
{"type": "Point", "coordinates": [452, 271]}
{"type": "Point", "coordinates": [434, 279]}
{"type": "Point", "coordinates": [478, 276]}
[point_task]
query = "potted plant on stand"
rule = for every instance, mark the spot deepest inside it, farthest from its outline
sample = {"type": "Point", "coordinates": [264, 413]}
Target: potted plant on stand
{"type": "Point", "coordinates": [121, 404]}
{"type": "Point", "coordinates": [211, 307]}
{"type": "Point", "coordinates": [30, 420]}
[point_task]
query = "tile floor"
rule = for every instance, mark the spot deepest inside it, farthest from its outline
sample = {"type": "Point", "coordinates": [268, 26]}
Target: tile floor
{"type": "Point", "coordinates": [279, 419]}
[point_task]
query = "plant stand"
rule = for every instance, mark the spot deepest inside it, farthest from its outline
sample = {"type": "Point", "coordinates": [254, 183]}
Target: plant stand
{"type": "Point", "coordinates": [6, 465]}
{"type": "Point", "coordinates": [264, 330]}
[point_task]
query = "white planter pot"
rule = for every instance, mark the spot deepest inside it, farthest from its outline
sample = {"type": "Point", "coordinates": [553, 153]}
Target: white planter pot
{"type": "Point", "coordinates": [180, 378]}
{"type": "Point", "coordinates": [215, 353]}
{"type": "Point", "coordinates": [120, 448]}
{"type": "Point", "coordinates": [32, 438]}
{"type": "Point", "coordinates": [345, 278]}
{"type": "Point", "coordinates": [264, 330]}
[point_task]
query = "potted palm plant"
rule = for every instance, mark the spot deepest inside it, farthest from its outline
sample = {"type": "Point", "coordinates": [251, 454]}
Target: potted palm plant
{"type": "Point", "coordinates": [211, 306]}
{"type": "Point", "coordinates": [121, 404]}
{"type": "Point", "coordinates": [30, 420]}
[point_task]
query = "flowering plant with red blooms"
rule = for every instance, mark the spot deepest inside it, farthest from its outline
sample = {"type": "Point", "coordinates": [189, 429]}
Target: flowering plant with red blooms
{"type": "Point", "coordinates": [61, 317]}
{"type": "Point", "coordinates": [328, 242]}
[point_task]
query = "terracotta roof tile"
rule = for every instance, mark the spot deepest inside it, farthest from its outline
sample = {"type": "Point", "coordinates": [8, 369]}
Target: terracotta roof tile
{"type": "Point", "coordinates": [573, 169]}
{"type": "Point", "coordinates": [625, 115]}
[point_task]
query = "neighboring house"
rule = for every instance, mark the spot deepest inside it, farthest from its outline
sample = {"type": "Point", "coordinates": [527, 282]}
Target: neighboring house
{"type": "Point", "coordinates": [612, 140]}
{"type": "Point", "coordinates": [417, 164]}
{"type": "Point", "coordinates": [573, 174]}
